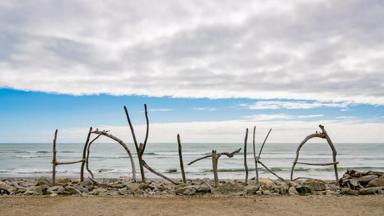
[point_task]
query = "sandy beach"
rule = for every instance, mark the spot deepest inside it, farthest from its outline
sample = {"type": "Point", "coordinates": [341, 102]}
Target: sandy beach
{"type": "Point", "coordinates": [308, 205]}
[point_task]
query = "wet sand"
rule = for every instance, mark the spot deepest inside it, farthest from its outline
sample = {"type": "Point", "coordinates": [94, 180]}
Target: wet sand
{"type": "Point", "coordinates": [183, 206]}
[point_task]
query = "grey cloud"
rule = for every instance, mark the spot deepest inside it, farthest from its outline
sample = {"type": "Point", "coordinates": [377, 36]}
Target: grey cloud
{"type": "Point", "coordinates": [322, 50]}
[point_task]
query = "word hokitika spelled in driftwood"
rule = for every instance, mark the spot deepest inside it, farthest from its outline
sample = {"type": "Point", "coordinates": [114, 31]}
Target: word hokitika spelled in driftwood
{"type": "Point", "coordinates": [140, 148]}
{"type": "Point", "coordinates": [322, 135]}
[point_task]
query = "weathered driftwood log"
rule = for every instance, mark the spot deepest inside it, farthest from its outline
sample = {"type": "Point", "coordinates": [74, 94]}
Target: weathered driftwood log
{"type": "Point", "coordinates": [140, 148]}
{"type": "Point", "coordinates": [245, 157]}
{"type": "Point", "coordinates": [322, 135]}
{"type": "Point", "coordinates": [215, 160]}
{"type": "Point", "coordinates": [119, 141]}
{"type": "Point", "coordinates": [254, 155]}
{"type": "Point", "coordinates": [180, 150]}
{"type": "Point", "coordinates": [54, 163]}
{"type": "Point", "coordinates": [262, 146]}
{"type": "Point", "coordinates": [85, 154]}
{"type": "Point", "coordinates": [157, 173]}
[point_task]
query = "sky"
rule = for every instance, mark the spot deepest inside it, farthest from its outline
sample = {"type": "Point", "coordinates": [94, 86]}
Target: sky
{"type": "Point", "coordinates": [206, 69]}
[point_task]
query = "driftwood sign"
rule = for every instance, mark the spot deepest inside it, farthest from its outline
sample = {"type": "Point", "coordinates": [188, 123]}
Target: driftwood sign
{"type": "Point", "coordinates": [214, 155]}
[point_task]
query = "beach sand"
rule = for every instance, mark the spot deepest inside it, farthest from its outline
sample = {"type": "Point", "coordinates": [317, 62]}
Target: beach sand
{"type": "Point", "coordinates": [281, 205]}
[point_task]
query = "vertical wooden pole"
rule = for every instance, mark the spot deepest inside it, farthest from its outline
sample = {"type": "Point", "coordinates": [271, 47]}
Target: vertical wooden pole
{"type": "Point", "coordinates": [54, 162]}
{"type": "Point", "coordinates": [214, 167]}
{"type": "Point", "coordinates": [245, 156]}
{"type": "Point", "coordinates": [254, 155]}
{"type": "Point", "coordinates": [84, 155]}
{"type": "Point", "coordinates": [181, 159]}
{"type": "Point", "coordinates": [138, 149]}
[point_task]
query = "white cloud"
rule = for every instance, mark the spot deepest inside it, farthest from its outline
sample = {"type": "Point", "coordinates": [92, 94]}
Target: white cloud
{"type": "Point", "coordinates": [259, 105]}
{"type": "Point", "coordinates": [345, 117]}
{"type": "Point", "coordinates": [325, 50]}
{"type": "Point", "coordinates": [280, 116]}
{"type": "Point", "coordinates": [211, 109]}
{"type": "Point", "coordinates": [293, 131]}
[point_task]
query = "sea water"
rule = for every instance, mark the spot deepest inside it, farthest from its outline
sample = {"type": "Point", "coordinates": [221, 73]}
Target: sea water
{"type": "Point", "coordinates": [110, 160]}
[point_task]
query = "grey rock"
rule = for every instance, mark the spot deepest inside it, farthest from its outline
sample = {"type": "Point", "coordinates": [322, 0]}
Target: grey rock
{"type": "Point", "coordinates": [134, 187]}
{"type": "Point", "coordinates": [123, 191]}
{"type": "Point", "coordinates": [203, 189]}
{"type": "Point", "coordinates": [36, 190]}
{"type": "Point", "coordinates": [292, 191]}
{"type": "Point", "coordinates": [303, 190]}
{"type": "Point", "coordinates": [98, 191]}
{"type": "Point", "coordinates": [58, 189]}
{"type": "Point", "coordinates": [251, 189]}
{"type": "Point", "coordinates": [43, 181]}
{"type": "Point", "coordinates": [69, 190]}
{"type": "Point", "coordinates": [266, 192]}
{"type": "Point", "coordinates": [7, 188]}
{"type": "Point", "coordinates": [63, 180]}
{"type": "Point", "coordinates": [187, 190]}
{"type": "Point", "coordinates": [315, 185]}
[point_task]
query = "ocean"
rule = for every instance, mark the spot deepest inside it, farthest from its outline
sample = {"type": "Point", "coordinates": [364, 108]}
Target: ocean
{"type": "Point", "coordinates": [109, 160]}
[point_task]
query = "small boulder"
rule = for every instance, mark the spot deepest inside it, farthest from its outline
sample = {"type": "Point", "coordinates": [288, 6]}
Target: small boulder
{"type": "Point", "coordinates": [98, 191]}
{"type": "Point", "coordinates": [69, 190]}
{"type": "Point", "coordinates": [266, 192]}
{"type": "Point", "coordinates": [55, 189]}
{"type": "Point", "coordinates": [6, 188]}
{"type": "Point", "coordinates": [315, 185]}
{"type": "Point", "coordinates": [203, 188]}
{"type": "Point", "coordinates": [292, 191]}
{"type": "Point", "coordinates": [36, 190]}
{"type": "Point", "coordinates": [43, 181]}
{"type": "Point", "coordinates": [266, 183]}
{"type": "Point", "coordinates": [187, 190]}
{"type": "Point", "coordinates": [123, 191]}
{"type": "Point", "coordinates": [134, 187]}
{"type": "Point", "coordinates": [303, 190]}
{"type": "Point", "coordinates": [251, 189]}
{"type": "Point", "coordinates": [63, 180]}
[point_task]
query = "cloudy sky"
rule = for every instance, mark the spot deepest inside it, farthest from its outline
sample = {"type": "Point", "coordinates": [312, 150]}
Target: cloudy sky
{"type": "Point", "coordinates": [207, 69]}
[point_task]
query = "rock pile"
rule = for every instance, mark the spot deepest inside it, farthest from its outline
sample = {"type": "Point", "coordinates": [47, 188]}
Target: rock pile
{"type": "Point", "coordinates": [361, 183]}
{"type": "Point", "coordinates": [352, 183]}
{"type": "Point", "coordinates": [125, 187]}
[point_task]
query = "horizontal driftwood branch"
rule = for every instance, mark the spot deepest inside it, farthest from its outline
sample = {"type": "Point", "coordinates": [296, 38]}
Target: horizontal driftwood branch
{"type": "Point", "coordinates": [69, 162]}
{"type": "Point", "coordinates": [318, 164]}
{"type": "Point", "coordinates": [228, 154]}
